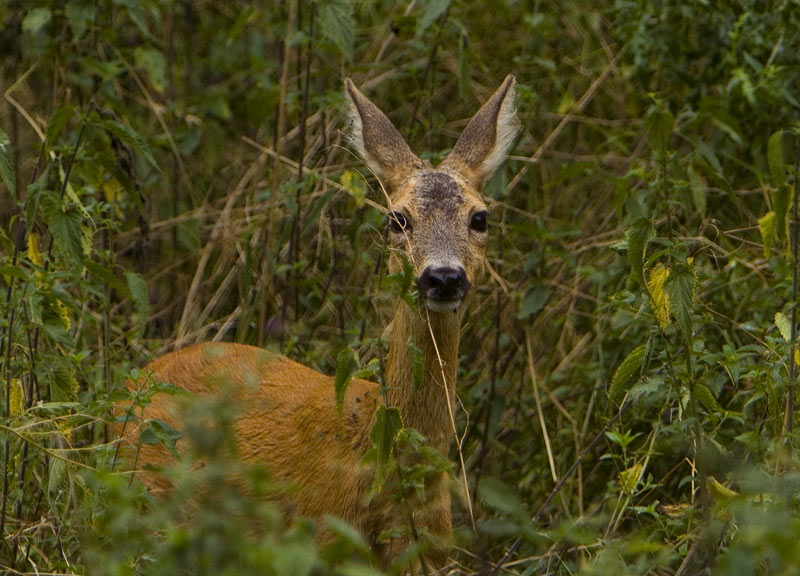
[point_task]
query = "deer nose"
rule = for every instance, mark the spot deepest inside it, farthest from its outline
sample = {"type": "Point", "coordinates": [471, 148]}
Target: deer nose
{"type": "Point", "coordinates": [443, 283]}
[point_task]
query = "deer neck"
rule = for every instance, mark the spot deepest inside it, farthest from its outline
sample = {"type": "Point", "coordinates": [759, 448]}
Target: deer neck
{"type": "Point", "coordinates": [426, 408]}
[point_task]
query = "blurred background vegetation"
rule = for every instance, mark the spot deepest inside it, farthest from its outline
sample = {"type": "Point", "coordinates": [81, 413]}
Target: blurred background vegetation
{"type": "Point", "coordinates": [174, 172]}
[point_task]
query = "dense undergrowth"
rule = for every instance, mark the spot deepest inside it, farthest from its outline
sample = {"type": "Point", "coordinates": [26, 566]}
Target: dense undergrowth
{"type": "Point", "coordinates": [176, 172]}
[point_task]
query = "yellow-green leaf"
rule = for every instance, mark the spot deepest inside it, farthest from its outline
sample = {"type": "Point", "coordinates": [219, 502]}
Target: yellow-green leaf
{"type": "Point", "coordinates": [628, 367]}
{"type": "Point", "coordinates": [355, 186]}
{"type": "Point", "coordinates": [659, 298]}
{"type": "Point", "coordinates": [784, 325]}
{"type": "Point", "coordinates": [766, 225]}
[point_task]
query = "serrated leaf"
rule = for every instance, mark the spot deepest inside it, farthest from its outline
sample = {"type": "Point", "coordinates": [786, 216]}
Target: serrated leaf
{"type": "Point", "coordinates": [784, 325]}
{"type": "Point", "coordinates": [107, 276]}
{"type": "Point", "coordinates": [130, 137]}
{"type": "Point", "coordinates": [660, 123]}
{"type": "Point", "coordinates": [387, 425]}
{"type": "Point", "coordinates": [137, 286]}
{"type": "Point", "coordinates": [766, 226]}
{"type": "Point", "coordinates": [497, 495]}
{"type": "Point", "coordinates": [706, 398]}
{"type": "Point", "coordinates": [781, 200]}
{"type": "Point", "coordinates": [629, 478]}
{"type": "Point", "coordinates": [659, 302]}
{"type": "Point", "coordinates": [65, 226]}
{"type": "Point", "coordinates": [159, 432]}
{"type": "Point", "coordinates": [56, 123]}
{"type": "Point", "coordinates": [638, 236]}
{"type": "Point", "coordinates": [679, 286]}
{"type": "Point", "coordinates": [7, 164]}
{"type": "Point", "coordinates": [417, 364]}
{"type": "Point", "coordinates": [346, 366]}
{"type": "Point", "coordinates": [775, 158]}
{"type": "Point", "coordinates": [632, 364]}
{"type": "Point", "coordinates": [337, 25]}
{"type": "Point", "coordinates": [431, 10]}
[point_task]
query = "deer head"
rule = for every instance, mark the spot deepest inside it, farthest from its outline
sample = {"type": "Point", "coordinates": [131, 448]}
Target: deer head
{"type": "Point", "coordinates": [436, 215]}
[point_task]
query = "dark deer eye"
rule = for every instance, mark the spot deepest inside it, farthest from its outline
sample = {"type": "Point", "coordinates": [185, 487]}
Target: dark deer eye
{"type": "Point", "coordinates": [398, 222]}
{"type": "Point", "coordinates": [478, 222]}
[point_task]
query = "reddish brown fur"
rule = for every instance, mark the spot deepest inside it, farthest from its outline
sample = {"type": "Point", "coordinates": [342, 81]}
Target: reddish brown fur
{"type": "Point", "coordinates": [288, 418]}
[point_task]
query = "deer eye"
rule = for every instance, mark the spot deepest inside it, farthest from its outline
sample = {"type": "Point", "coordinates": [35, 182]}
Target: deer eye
{"type": "Point", "coordinates": [398, 222]}
{"type": "Point", "coordinates": [478, 222]}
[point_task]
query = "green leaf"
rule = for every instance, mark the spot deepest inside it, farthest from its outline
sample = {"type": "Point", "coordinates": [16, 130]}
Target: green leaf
{"type": "Point", "coordinates": [337, 25]}
{"type": "Point", "coordinates": [159, 432]}
{"type": "Point", "coordinates": [533, 301]}
{"type": "Point", "coordinates": [680, 285]}
{"type": "Point", "coordinates": [781, 200]}
{"type": "Point", "coordinates": [137, 286]}
{"type": "Point", "coordinates": [431, 10]}
{"type": "Point", "coordinates": [660, 123]}
{"type": "Point", "coordinates": [464, 73]}
{"type": "Point", "coordinates": [56, 123]}
{"type": "Point", "coordinates": [65, 226]}
{"type": "Point", "coordinates": [107, 276]}
{"type": "Point", "coordinates": [80, 15]}
{"type": "Point", "coordinates": [355, 186]}
{"type": "Point", "coordinates": [638, 236]}
{"type": "Point", "coordinates": [130, 137]}
{"type": "Point", "coordinates": [346, 366]}
{"type": "Point", "coordinates": [7, 164]}
{"type": "Point", "coordinates": [707, 399]}
{"type": "Point", "coordinates": [766, 225]}
{"type": "Point", "coordinates": [417, 364]}
{"type": "Point", "coordinates": [784, 325]}
{"type": "Point", "coordinates": [775, 158]}
{"type": "Point", "coordinates": [498, 496]}
{"type": "Point", "coordinates": [632, 364]}
{"type": "Point", "coordinates": [388, 424]}
{"type": "Point", "coordinates": [154, 64]}
{"type": "Point", "coordinates": [36, 19]}
{"type": "Point", "coordinates": [347, 533]}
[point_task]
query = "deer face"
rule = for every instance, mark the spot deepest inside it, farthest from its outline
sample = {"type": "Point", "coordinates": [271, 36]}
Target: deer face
{"type": "Point", "coordinates": [436, 217]}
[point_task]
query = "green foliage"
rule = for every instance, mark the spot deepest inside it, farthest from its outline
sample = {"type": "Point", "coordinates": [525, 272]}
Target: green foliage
{"type": "Point", "coordinates": [156, 187]}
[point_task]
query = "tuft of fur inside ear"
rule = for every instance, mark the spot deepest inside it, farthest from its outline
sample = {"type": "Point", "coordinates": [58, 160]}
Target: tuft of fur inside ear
{"type": "Point", "coordinates": [376, 139]}
{"type": "Point", "coordinates": [489, 136]}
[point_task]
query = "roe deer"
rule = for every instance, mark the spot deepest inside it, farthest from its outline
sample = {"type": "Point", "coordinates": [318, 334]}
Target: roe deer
{"type": "Point", "coordinates": [289, 419]}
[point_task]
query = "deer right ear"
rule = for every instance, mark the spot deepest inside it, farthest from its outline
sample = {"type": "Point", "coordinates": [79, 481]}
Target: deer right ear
{"type": "Point", "coordinates": [485, 142]}
{"type": "Point", "coordinates": [377, 140]}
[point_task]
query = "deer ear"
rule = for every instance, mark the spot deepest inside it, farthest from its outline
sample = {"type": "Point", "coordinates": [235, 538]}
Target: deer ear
{"type": "Point", "coordinates": [377, 140]}
{"type": "Point", "coordinates": [488, 137]}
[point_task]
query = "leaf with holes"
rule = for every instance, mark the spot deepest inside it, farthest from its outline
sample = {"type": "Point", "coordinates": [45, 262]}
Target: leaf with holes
{"type": "Point", "coordinates": [626, 370]}
{"type": "Point", "coordinates": [346, 366]}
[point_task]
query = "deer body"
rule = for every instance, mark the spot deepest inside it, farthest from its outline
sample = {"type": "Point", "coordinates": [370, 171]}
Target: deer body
{"type": "Point", "coordinates": [288, 419]}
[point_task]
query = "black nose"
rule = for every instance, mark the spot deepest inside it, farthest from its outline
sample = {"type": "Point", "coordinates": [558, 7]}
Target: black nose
{"type": "Point", "coordinates": [443, 283]}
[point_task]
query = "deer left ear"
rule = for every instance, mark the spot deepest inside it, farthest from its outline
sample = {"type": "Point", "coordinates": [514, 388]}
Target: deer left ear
{"type": "Point", "coordinates": [485, 142]}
